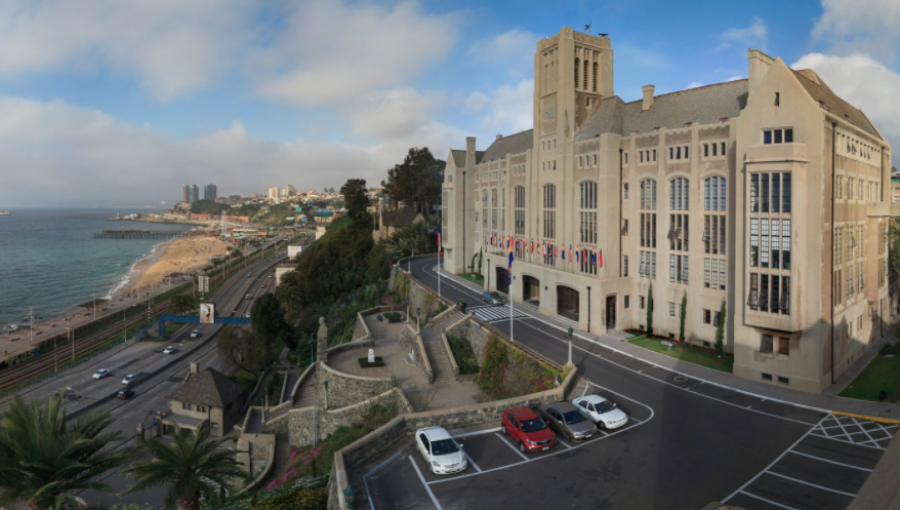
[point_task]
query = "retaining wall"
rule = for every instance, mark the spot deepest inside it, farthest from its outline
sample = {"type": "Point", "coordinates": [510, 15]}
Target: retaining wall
{"type": "Point", "coordinates": [346, 389]}
{"type": "Point", "coordinates": [474, 333]}
{"type": "Point", "coordinates": [411, 343]}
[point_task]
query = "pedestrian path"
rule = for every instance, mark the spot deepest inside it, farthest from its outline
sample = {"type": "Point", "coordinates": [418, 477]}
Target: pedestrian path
{"type": "Point", "coordinates": [495, 313]}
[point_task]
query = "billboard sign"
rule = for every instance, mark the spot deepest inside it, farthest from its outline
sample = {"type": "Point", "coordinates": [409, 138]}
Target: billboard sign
{"type": "Point", "coordinates": [207, 313]}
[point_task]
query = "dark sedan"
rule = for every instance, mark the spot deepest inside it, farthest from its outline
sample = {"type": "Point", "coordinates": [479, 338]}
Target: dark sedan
{"type": "Point", "coordinates": [126, 394]}
{"type": "Point", "coordinates": [565, 419]}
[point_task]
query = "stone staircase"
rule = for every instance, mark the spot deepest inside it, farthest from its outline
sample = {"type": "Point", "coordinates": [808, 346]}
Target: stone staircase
{"type": "Point", "coordinates": [446, 320]}
{"type": "Point", "coordinates": [440, 360]}
{"type": "Point", "coordinates": [307, 394]}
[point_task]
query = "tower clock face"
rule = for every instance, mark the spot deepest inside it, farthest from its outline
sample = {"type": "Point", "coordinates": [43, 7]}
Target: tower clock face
{"type": "Point", "coordinates": [549, 113]}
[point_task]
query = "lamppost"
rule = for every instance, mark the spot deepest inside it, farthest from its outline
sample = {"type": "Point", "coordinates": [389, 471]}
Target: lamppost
{"type": "Point", "coordinates": [589, 308]}
{"type": "Point", "coordinates": [570, 346]}
{"type": "Point", "coordinates": [418, 325]}
{"type": "Point", "coordinates": [407, 310]}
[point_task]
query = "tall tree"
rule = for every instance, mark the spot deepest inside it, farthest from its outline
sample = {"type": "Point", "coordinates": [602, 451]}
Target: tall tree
{"type": "Point", "coordinates": [46, 458]}
{"type": "Point", "coordinates": [720, 331]}
{"type": "Point", "coordinates": [355, 199]}
{"type": "Point", "coordinates": [650, 311]}
{"type": "Point", "coordinates": [267, 317]}
{"type": "Point", "coordinates": [416, 181]}
{"type": "Point", "coordinates": [191, 467]}
{"type": "Point", "coordinates": [244, 349]}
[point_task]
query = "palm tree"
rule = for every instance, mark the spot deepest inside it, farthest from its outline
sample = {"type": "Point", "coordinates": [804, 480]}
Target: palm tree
{"type": "Point", "coordinates": [44, 458]}
{"type": "Point", "coordinates": [192, 466]}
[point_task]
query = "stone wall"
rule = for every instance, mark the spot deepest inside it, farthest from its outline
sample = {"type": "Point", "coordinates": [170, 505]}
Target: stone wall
{"type": "Point", "coordinates": [346, 389]}
{"type": "Point", "coordinates": [257, 455]}
{"type": "Point", "coordinates": [349, 346]}
{"type": "Point", "coordinates": [474, 333]}
{"type": "Point", "coordinates": [411, 344]}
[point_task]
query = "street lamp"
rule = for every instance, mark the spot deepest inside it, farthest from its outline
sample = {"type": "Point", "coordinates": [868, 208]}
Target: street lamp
{"type": "Point", "coordinates": [569, 332]}
{"type": "Point", "coordinates": [407, 310]}
{"type": "Point", "coordinates": [418, 311]}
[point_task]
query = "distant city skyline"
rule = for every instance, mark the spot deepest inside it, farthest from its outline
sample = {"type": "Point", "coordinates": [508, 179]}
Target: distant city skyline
{"type": "Point", "coordinates": [256, 97]}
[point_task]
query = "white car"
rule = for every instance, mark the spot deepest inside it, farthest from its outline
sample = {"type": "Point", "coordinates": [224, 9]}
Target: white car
{"type": "Point", "coordinates": [440, 451]}
{"type": "Point", "coordinates": [169, 350]}
{"type": "Point", "coordinates": [130, 378]}
{"type": "Point", "coordinates": [601, 411]}
{"type": "Point", "coordinates": [247, 315]}
{"type": "Point", "coordinates": [100, 374]}
{"type": "Point", "coordinates": [195, 333]}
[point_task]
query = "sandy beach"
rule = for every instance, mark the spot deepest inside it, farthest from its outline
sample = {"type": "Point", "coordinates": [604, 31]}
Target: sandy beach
{"type": "Point", "coordinates": [183, 255]}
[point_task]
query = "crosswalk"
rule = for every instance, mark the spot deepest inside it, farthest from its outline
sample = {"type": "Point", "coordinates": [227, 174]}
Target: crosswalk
{"type": "Point", "coordinates": [494, 313]}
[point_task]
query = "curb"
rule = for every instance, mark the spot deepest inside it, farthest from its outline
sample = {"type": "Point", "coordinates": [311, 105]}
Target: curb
{"type": "Point", "coordinates": [864, 417]}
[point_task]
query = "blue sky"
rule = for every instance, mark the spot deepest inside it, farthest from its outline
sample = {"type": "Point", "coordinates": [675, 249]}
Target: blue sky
{"type": "Point", "coordinates": [105, 102]}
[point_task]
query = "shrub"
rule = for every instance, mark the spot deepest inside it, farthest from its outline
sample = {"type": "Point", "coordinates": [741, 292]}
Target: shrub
{"type": "Point", "coordinates": [364, 362]}
{"type": "Point", "coordinates": [464, 355]}
{"type": "Point", "coordinates": [304, 499]}
{"type": "Point", "coordinates": [490, 375]}
{"type": "Point", "coordinates": [890, 349]}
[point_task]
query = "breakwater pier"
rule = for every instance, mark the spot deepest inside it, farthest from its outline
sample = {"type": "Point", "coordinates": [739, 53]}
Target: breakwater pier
{"type": "Point", "coordinates": [111, 233]}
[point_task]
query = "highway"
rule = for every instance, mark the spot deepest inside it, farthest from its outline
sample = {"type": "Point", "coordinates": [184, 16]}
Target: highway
{"type": "Point", "coordinates": [687, 444]}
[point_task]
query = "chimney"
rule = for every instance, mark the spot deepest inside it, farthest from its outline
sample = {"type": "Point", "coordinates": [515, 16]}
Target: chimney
{"type": "Point", "coordinates": [758, 64]}
{"type": "Point", "coordinates": [498, 137]}
{"type": "Point", "coordinates": [470, 152]}
{"type": "Point", "coordinates": [195, 367]}
{"type": "Point", "coordinates": [648, 97]}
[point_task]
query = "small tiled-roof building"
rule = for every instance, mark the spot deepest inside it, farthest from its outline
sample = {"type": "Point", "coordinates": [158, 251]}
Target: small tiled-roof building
{"type": "Point", "coordinates": [393, 220]}
{"type": "Point", "coordinates": [207, 395]}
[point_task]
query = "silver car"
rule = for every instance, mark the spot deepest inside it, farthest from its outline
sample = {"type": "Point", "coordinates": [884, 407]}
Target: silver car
{"type": "Point", "coordinates": [565, 419]}
{"type": "Point", "coordinates": [492, 298]}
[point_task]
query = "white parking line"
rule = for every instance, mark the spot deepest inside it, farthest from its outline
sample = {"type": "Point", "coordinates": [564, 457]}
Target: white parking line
{"type": "Point", "coordinates": [830, 461]}
{"type": "Point", "coordinates": [769, 501]}
{"type": "Point", "coordinates": [848, 442]}
{"type": "Point", "coordinates": [564, 443]}
{"type": "Point", "coordinates": [477, 433]}
{"type": "Point", "coordinates": [507, 443]}
{"type": "Point", "coordinates": [424, 483]}
{"type": "Point", "coordinates": [471, 462]}
{"type": "Point", "coordinates": [810, 484]}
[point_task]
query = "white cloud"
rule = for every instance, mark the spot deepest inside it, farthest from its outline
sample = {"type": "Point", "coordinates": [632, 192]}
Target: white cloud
{"type": "Point", "coordinates": [860, 26]}
{"type": "Point", "coordinates": [476, 102]}
{"type": "Point", "coordinates": [173, 46]}
{"type": "Point", "coordinates": [754, 34]}
{"type": "Point", "coordinates": [695, 84]}
{"type": "Point", "coordinates": [513, 50]}
{"type": "Point", "coordinates": [392, 113]}
{"type": "Point", "coordinates": [50, 150]}
{"type": "Point", "coordinates": [865, 84]}
{"type": "Point", "coordinates": [328, 52]}
{"type": "Point", "coordinates": [509, 110]}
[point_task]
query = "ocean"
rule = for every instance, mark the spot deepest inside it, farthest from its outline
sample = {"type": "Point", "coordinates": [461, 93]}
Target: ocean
{"type": "Point", "coordinates": [50, 260]}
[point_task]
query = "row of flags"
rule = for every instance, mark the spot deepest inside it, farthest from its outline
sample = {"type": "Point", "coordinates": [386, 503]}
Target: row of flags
{"type": "Point", "coordinates": [544, 248]}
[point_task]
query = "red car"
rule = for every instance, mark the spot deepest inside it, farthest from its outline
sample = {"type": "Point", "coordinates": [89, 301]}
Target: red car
{"type": "Point", "coordinates": [527, 429]}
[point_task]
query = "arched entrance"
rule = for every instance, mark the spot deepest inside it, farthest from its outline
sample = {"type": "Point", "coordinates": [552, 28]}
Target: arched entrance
{"type": "Point", "coordinates": [502, 280]}
{"type": "Point", "coordinates": [567, 302]}
{"type": "Point", "coordinates": [531, 289]}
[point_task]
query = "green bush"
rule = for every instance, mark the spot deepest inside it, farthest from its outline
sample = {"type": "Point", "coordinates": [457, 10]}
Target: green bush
{"type": "Point", "coordinates": [303, 499]}
{"type": "Point", "coordinates": [391, 315]}
{"type": "Point", "coordinates": [464, 355]}
{"type": "Point", "coordinates": [364, 362]}
{"type": "Point", "coordinates": [490, 375]}
{"type": "Point", "coordinates": [890, 349]}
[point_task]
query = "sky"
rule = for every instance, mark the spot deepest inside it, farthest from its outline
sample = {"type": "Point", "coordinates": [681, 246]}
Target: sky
{"type": "Point", "coordinates": [121, 103]}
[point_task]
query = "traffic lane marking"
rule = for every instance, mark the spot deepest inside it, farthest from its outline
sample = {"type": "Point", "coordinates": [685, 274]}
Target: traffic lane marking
{"type": "Point", "coordinates": [514, 447]}
{"type": "Point", "coordinates": [470, 461]}
{"type": "Point", "coordinates": [489, 452]}
{"type": "Point", "coordinates": [799, 494]}
{"type": "Point", "coordinates": [846, 453]}
{"type": "Point", "coordinates": [427, 488]}
{"type": "Point", "coordinates": [825, 474]}
{"type": "Point", "coordinates": [748, 500]}
{"type": "Point", "coordinates": [425, 467]}
{"type": "Point", "coordinates": [820, 459]}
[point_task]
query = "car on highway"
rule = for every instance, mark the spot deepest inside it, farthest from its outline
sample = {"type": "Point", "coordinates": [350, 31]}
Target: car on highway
{"type": "Point", "coordinates": [126, 394]}
{"type": "Point", "coordinates": [601, 411]}
{"type": "Point", "coordinates": [492, 298]}
{"type": "Point", "coordinates": [130, 378]}
{"type": "Point", "coordinates": [249, 275]}
{"type": "Point", "coordinates": [249, 296]}
{"type": "Point", "coordinates": [100, 374]}
{"type": "Point", "coordinates": [527, 429]}
{"type": "Point", "coordinates": [247, 315]}
{"type": "Point", "coordinates": [169, 350]}
{"type": "Point", "coordinates": [195, 333]}
{"type": "Point", "coordinates": [565, 419]}
{"type": "Point", "coordinates": [442, 453]}
{"type": "Point", "coordinates": [270, 276]}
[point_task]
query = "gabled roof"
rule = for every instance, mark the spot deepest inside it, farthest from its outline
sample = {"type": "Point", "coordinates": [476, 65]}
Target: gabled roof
{"type": "Point", "coordinates": [402, 217]}
{"type": "Point", "coordinates": [702, 105]}
{"type": "Point", "coordinates": [512, 144]}
{"type": "Point", "coordinates": [826, 97]}
{"type": "Point", "coordinates": [459, 157]}
{"type": "Point", "coordinates": [209, 387]}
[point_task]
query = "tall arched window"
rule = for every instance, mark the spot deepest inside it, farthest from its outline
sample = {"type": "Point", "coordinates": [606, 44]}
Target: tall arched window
{"type": "Point", "coordinates": [494, 210]}
{"type": "Point", "coordinates": [679, 200]}
{"type": "Point", "coordinates": [519, 204]}
{"type": "Point", "coordinates": [714, 202]}
{"type": "Point", "coordinates": [594, 86]}
{"type": "Point", "coordinates": [577, 66]}
{"type": "Point", "coordinates": [503, 210]}
{"type": "Point", "coordinates": [648, 229]}
{"type": "Point", "coordinates": [586, 63]}
{"type": "Point", "coordinates": [549, 219]}
{"type": "Point", "coordinates": [588, 216]}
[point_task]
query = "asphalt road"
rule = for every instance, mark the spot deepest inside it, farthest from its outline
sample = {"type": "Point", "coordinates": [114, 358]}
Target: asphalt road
{"type": "Point", "coordinates": [146, 357]}
{"type": "Point", "coordinates": [687, 444]}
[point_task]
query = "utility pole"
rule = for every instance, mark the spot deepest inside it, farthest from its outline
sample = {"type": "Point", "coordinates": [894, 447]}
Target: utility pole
{"type": "Point", "coordinates": [31, 332]}
{"type": "Point", "coordinates": [73, 342]}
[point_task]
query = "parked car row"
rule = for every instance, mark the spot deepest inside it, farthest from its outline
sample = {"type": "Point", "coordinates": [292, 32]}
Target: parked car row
{"type": "Point", "coordinates": [532, 431]}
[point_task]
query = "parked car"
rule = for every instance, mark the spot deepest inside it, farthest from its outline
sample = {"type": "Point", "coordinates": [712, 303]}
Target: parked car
{"type": "Point", "coordinates": [601, 411]}
{"type": "Point", "coordinates": [492, 298]}
{"type": "Point", "coordinates": [440, 451]}
{"type": "Point", "coordinates": [100, 374]}
{"type": "Point", "coordinates": [169, 350]}
{"type": "Point", "coordinates": [249, 275]}
{"type": "Point", "coordinates": [195, 333]}
{"type": "Point", "coordinates": [130, 378]}
{"type": "Point", "coordinates": [126, 393]}
{"type": "Point", "coordinates": [565, 419]}
{"type": "Point", "coordinates": [528, 429]}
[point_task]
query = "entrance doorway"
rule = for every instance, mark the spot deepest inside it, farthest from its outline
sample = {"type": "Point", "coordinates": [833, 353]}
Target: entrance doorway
{"type": "Point", "coordinates": [531, 289]}
{"type": "Point", "coordinates": [502, 280]}
{"type": "Point", "coordinates": [610, 313]}
{"type": "Point", "coordinates": [567, 301]}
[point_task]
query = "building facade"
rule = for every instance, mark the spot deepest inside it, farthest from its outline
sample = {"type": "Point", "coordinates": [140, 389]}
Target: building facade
{"type": "Point", "coordinates": [210, 192]}
{"type": "Point", "coordinates": [190, 193]}
{"type": "Point", "coordinates": [767, 197]}
{"type": "Point", "coordinates": [206, 397]}
{"type": "Point", "coordinates": [273, 193]}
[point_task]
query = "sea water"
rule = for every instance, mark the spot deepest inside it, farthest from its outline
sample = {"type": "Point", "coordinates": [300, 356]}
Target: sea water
{"type": "Point", "coordinates": [50, 260]}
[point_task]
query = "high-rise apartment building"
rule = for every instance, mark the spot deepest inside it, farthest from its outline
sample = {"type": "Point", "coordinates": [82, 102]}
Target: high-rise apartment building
{"type": "Point", "coordinates": [190, 193]}
{"type": "Point", "coordinates": [273, 193]}
{"type": "Point", "coordinates": [210, 192]}
{"type": "Point", "coordinates": [291, 191]}
{"type": "Point", "coordinates": [764, 201]}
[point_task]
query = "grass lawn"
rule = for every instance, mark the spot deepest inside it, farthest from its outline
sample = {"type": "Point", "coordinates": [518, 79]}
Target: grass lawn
{"type": "Point", "coordinates": [881, 374]}
{"type": "Point", "coordinates": [472, 277]}
{"type": "Point", "coordinates": [689, 355]}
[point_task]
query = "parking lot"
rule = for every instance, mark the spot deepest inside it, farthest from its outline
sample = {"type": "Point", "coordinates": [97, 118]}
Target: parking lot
{"type": "Point", "coordinates": [407, 481]}
{"type": "Point", "coordinates": [823, 470]}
